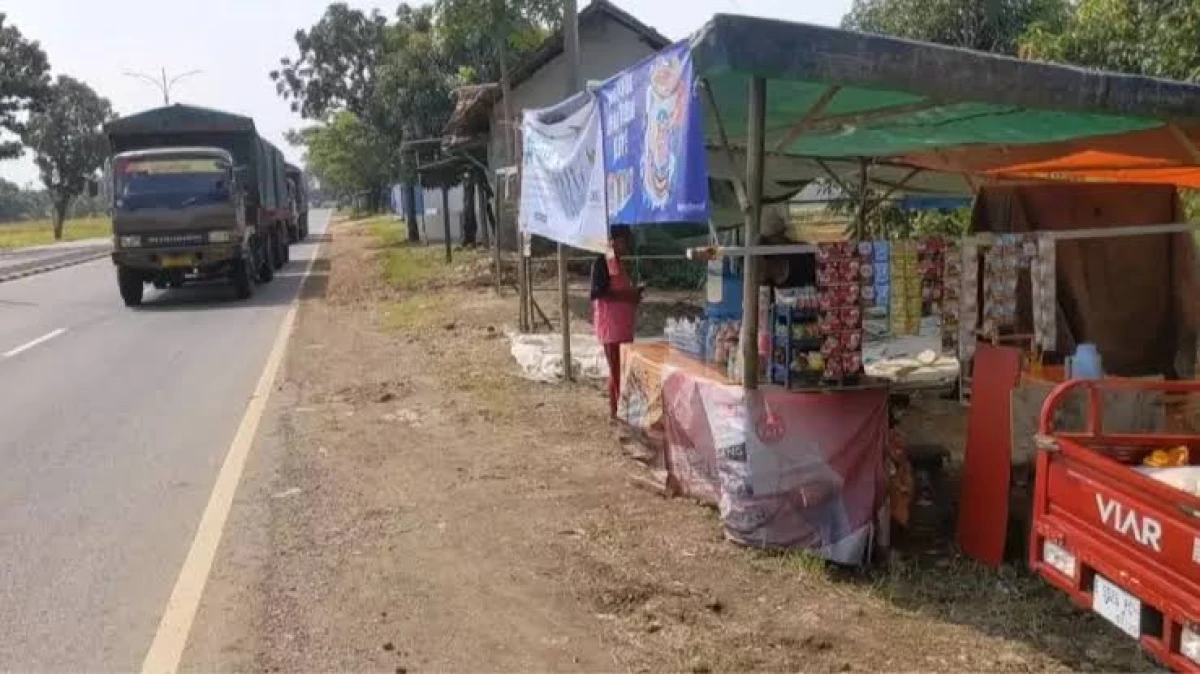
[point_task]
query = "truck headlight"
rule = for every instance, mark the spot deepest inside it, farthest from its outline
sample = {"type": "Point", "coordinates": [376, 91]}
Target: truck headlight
{"type": "Point", "coordinates": [129, 241]}
{"type": "Point", "coordinates": [220, 236]}
{"type": "Point", "coordinates": [1060, 558]}
{"type": "Point", "coordinates": [1189, 643]}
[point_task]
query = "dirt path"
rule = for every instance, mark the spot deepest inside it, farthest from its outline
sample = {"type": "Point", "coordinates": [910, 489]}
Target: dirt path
{"type": "Point", "coordinates": [414, 506]}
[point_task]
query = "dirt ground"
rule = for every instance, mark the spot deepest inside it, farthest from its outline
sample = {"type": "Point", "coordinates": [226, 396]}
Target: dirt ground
{"type": "Point", "coordinates": [413, 505]}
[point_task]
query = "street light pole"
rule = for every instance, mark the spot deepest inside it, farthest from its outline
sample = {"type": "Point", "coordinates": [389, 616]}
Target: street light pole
{"type": "Point", "coordinates": [163, 85]}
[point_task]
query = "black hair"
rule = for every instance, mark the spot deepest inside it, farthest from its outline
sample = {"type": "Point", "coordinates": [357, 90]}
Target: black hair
{"type": "Point", "coordinates": [617, 231]}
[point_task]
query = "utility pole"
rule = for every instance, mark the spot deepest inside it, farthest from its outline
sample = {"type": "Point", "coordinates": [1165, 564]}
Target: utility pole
{"type": "Point", "coordinates": [574, 85]}
{"type": "Point", "coordinates": [163, 84]}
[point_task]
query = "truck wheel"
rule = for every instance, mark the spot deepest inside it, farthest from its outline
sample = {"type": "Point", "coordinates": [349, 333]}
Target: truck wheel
{"type": "Point", "coordinates": [131, 285]}
{"type": "Point", "coordinates": [282, 255]}
{"type": "Point", "coordinates": [266, 260]}
{"type": "Point", "coordinates": [243, 281]}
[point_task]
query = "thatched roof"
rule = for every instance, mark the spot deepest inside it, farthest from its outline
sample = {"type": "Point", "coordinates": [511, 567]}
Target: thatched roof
{"type": "Point", "coordinates": [472, 106]}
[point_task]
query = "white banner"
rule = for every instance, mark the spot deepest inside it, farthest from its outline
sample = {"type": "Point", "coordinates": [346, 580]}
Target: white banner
{"type": "Point", "coordinates": [562, 174]}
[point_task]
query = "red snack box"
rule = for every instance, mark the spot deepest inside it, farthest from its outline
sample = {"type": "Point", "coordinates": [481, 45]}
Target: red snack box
{"type": "Point", "coordinates": [850, 317]}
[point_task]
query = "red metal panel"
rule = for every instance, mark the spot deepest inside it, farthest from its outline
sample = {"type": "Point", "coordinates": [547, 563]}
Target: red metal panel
{"type": "Point", "coordinates": [987, 465]}
{"type": "Point", "coordinates": [1133, 530]}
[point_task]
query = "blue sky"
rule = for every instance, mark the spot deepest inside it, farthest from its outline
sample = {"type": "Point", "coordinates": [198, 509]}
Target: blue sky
{"type": "Point", "coordinates": [237, 42]}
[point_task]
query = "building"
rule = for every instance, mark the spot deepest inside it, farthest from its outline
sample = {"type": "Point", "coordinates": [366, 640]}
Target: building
{"type": "Point", "coordinates": [610, 40]}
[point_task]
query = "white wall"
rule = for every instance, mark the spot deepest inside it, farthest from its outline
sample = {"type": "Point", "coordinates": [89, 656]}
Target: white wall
{"type": "Point", "coordinates": [605, 49]}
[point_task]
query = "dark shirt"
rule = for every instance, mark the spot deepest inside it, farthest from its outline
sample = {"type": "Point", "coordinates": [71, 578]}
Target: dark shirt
{"type": "Point", "coordinates": [600, 278]}
{"type": "Point", "coordinates": [801, 270]}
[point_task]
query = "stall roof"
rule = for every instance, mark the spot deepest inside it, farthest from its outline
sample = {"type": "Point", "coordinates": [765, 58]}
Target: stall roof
{"type": "Point", "coordinates": [837, 95]}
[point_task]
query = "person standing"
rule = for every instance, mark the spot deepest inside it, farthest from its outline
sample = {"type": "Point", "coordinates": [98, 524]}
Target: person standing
{"type": "Point", "coordinates": [614, 309]}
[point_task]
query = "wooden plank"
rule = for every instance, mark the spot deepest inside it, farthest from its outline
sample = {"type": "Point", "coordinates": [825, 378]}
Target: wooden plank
{"type": "Point", "coordinates": [812, 116]}
{"type": "Point", "coordinates": [987, 460]}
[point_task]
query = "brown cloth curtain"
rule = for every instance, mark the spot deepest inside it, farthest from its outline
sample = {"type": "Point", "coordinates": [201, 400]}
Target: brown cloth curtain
{"type": "Point", "coordinates": [1134, 296]}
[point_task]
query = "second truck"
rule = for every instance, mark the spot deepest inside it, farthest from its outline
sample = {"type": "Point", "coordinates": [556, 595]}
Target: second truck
{"type": "Point", "coordinates": [197, 194]}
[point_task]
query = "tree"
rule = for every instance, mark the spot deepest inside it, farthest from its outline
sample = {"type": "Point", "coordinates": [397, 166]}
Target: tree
{"type": "Point", "coordinates": [24, 82]}
{"type": "Point", "coordinates": [345, 155]}
{"type": "Point", "coordinates": [413, 97]}
{"type": "Point", "coordinates": [1144, 37]}
{"type": "Point", "coordinates": [67, 137]}
{"type": "Point", "coordinates": [984, 25]}
{"type": "Point", "coordinates": [468, 32]}
{"type": "Point", "coordinates": [337, 66]}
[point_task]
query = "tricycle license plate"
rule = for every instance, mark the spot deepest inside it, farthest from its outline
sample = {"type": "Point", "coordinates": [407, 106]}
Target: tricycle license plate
{"type": "Point", "coordinates": [1117, 606]}
{"type": "Point", "coordinates": [177, 261]}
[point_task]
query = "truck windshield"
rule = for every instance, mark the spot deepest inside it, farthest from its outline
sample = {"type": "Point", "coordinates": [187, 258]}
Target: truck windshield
{"type": "Point", "coordinates": [170, 182]}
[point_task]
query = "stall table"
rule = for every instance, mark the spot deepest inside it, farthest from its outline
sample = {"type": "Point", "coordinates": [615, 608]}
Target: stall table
{"type": "Point", "coordinates": [787, 469]}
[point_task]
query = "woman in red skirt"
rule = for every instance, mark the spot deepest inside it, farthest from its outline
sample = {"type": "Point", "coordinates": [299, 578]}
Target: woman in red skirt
{"type": "Point", "coordinates": [614, 309]}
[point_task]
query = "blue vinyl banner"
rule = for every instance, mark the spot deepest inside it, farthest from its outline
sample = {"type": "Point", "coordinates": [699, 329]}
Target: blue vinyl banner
{"type": "Point", "coordinates": [655, 166]}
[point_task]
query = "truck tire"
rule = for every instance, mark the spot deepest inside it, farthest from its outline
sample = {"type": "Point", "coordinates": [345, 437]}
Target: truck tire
{"type": "Point", "coordinates": [283, 255]}
{"type": "Point", "coordinates": [132, 286]}
{"type": "Point", "coordinates": [242, 279]}
{"type": "Point", "coordinates": [266, 259]}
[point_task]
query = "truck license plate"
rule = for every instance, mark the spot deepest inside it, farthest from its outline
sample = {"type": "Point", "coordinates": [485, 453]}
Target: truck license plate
{"type": "Point", "coordinates": [177, 260]}
{"type": "Point", "coordinates": [1117, 606]}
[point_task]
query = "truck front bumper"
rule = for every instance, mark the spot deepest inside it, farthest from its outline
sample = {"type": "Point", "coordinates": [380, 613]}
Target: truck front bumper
{"type": "Point", "coordinates": [184, 258]}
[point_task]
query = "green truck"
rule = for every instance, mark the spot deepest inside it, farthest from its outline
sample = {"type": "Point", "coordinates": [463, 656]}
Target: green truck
{"type": "Point", "coordinates": [298, 226]}
{"type": "Point", "coordinates": [197, 195]}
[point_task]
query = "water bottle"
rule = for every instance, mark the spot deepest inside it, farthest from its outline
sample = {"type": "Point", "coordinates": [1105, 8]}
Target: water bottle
{"type": "Point", "coordinates": [1085, 363]}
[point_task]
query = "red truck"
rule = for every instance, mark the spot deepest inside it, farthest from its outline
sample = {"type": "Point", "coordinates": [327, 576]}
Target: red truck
{"type": "Point", "coordinates": [1118, 541]}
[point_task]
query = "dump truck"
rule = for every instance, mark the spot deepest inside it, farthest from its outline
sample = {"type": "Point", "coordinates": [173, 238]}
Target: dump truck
{"type": "Point", "coordinates": [298, 225]}
{"type": "Point", "coordinates": [197, 195]}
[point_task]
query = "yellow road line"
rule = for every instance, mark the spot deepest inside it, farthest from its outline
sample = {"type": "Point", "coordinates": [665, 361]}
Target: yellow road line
{"type": "Point", "coordinates": [176, 624]}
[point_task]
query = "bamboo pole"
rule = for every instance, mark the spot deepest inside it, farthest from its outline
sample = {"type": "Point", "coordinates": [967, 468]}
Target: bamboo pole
{"type": "Point", "coordinates": [446, 220]}
{"type": "Point", "coordinates": [574, 80]}
{"type": "Point", "coordinates": [755, 152]}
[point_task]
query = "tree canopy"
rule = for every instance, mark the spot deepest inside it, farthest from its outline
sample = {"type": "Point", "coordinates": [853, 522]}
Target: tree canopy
{"type": "Point", "coordinates": [345, 154]}
{"type": "Point", "coordinates": [985, 25]}
{"type": "Point", "coordinates": [395, 77]}
{"type": "Point", "coordinates": [67, 138]}
{"type": "Point", "coordinates": [24, 82]}
{"type": "Point", "coordinates": [1160, 38]}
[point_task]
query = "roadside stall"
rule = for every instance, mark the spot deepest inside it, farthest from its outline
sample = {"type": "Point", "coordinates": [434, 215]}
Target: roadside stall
{"type": "Point", "coordinates": [789, 438]}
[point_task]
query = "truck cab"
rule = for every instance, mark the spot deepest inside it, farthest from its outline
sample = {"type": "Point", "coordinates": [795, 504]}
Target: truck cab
{"type": "Point", "coordinates": [178, 215]}
{"type": "Point", "coordinates": [197, 194]}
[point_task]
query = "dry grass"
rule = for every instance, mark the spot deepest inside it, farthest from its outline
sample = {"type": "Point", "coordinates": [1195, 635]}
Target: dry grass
{"type": "Point", "coordinates": [548, 517]}
{"type": "Point", "coordinates": [41, 232]}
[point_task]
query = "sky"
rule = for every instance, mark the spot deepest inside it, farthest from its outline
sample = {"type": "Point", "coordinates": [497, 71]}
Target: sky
{"type": "Point", "coordinates": [236, 43]}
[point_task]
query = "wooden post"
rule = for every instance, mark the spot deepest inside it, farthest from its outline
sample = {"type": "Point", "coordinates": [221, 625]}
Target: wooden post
{"type": "Point", "coordinates": [446, 219]}
{"type": "Point", "coordinates": [495, 227]}
{"type": "Point", "coordinates": [524, 324]}
{"type": "Point", "coordinates": [571, 46]}
{"type": "Point", "coordinates": [864, 190]}
{"type": "Point", "coordinates": [755, 152]}
{"type": "Point", "coordinates": [480, 207]}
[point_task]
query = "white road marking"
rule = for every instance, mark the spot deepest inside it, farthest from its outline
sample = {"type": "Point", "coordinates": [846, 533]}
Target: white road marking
{"type": "Point", "coordinates": [176, 623]}
{"type": "Point", "coordinates": [33, 342]}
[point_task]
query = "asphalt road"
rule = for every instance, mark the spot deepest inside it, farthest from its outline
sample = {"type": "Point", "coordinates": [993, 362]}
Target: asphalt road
{"type": "Point", "coordinates": [113, 426]}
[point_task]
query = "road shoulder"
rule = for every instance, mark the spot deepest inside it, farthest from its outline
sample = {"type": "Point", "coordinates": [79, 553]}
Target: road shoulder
{"type": "Point", "coordinates": [412, 505]}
